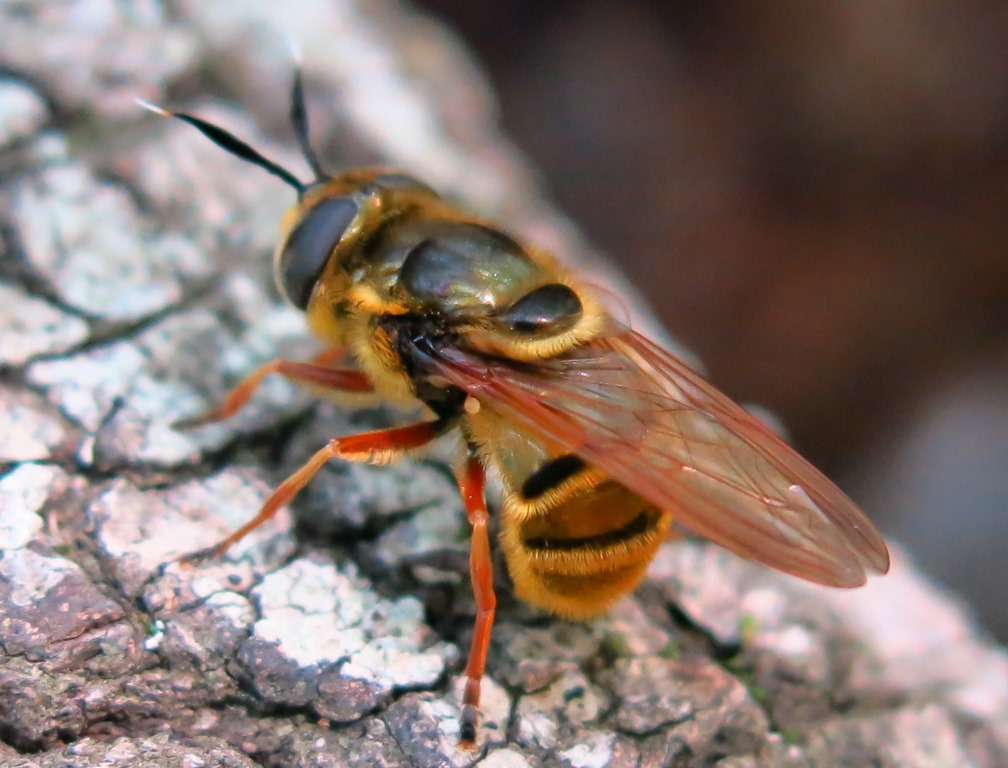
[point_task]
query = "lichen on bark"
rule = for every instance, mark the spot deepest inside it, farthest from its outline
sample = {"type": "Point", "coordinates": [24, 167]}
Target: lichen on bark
{"type": "Point", "coordinates": [135, 288]}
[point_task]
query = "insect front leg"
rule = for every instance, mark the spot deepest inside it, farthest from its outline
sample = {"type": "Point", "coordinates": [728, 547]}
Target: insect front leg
{"type": "Point", "coordinates": [471, 483]}
{"type": "Point", "coordinates": [317, 373]}
{"type": "Point", "coordinates": [378, 446]}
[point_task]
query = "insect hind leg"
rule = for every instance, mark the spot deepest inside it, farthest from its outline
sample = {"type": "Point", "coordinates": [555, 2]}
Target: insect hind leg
{"type": "Point", "coordinates": [471, 484]}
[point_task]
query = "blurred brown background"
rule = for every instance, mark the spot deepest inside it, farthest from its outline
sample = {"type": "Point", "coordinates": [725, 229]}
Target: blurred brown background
{"type": "Point", "coordinates": [815, 198]}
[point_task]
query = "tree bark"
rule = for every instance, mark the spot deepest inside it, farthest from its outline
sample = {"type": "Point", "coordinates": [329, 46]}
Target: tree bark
{"type": "Point", "coordinates": [136, 288]}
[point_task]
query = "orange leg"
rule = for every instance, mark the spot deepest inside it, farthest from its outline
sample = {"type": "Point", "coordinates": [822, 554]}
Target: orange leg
{"type": "Point", "coordinates": [471, 484]}
{"type": "Point", "coordinates": [316, 373]}
{"type": "Point", "coordinates": [363, 447]}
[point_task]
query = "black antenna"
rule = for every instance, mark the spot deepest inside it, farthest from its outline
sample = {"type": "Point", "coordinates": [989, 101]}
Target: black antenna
{"type": "Point", "coordinates": [299, 119]}
{"type": "Point", "coordinates": [229, 142]}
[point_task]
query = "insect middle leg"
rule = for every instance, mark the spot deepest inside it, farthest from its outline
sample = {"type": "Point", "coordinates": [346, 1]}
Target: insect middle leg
{"type": "Point", "coordinates": [317, 372]}
{"type": "Point", "coordinates": [471, 483]}
{"type": "Point", "coordinates": [378, 446]}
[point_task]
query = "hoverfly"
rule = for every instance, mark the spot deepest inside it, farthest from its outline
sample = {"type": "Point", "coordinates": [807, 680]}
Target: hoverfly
{"type": "Point", "coordinates": [601, 438]}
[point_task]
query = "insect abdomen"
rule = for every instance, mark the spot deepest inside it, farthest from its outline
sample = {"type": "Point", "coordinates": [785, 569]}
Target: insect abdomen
{"type": "Point", "coordinates": [583, 548]}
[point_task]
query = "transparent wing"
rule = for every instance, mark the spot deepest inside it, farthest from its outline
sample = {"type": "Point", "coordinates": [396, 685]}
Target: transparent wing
{"type": "Point", "coordinates": [632, 409]}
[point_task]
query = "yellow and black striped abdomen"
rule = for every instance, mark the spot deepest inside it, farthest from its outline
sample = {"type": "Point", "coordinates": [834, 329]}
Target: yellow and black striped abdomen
{"type": "Point", "coordinates": [575, 540]}
{"type": "Point", "coordinates": [581, 542]}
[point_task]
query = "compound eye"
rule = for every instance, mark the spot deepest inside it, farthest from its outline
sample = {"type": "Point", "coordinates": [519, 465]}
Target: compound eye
{"type": "Point", "coordinates": [549, 309]}
{"type": "Point", "coordinates": [310, 245]}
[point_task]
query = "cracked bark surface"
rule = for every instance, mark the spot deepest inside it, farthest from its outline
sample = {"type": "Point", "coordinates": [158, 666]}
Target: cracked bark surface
{"type": "Point", "coordinates": [135, 287]}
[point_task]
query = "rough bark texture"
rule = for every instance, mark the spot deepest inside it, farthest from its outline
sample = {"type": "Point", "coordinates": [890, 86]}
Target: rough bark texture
{"type": "Point", "coordinates": [135, 288]}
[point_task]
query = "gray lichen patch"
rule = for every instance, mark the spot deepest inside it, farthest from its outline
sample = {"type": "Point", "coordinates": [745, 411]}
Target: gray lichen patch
{"type": "Point", "coordinates": [85, 386]}
{"type": "Point", "coordinates": [128, 394]}
{"type": "Point", "coordinates": [314, 612]}
{"type": "Point", "coordinates": [596, 749]}
{"type": "Point", "coordinates": [22, 111]}
{"type": "Point", "coordinates": [96, 54]}
{"type": "Point", "coordinates": [30, 576]}
{"type": "Point", "coordinates": [314, 615]}
{"type": "Point", "coordinates": [199, 615]}
{"type": "Point", "coordinates": [24, 492]}
{"type": "Point", "coordinates": [120, 396]}
{"type": "Point", "coordinates": [139, 529]}
{"type": "Point", "coordinates": [30, 429]}
{"type": "Point", "coordinates": [30, 327]}
{"type": "Point", "coordinates": [118, 271]}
